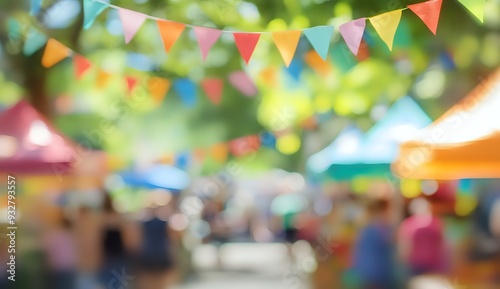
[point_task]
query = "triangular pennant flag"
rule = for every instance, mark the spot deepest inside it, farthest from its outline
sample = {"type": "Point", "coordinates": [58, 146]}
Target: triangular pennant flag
{"type": "Point", "coordinates": [319, 65]}
{"type": "Point", "coordinates": [206, 39]}
{"type": "Point", "coordinates": [213, 88]}
{"type": "Point", "coordinates": [386, 25]}
{"type": "Point", "coordinates": [243, 83]}
{"type": "Point", "coordinates": [102, 78]}
{"type": "Point", "coordinates": [199, 155]}
{"type": "Point", "coordinates": [429, 13]}
{"type": "Point", "coordinates": [246, 42]}
{"type": "Point", "coordinates": [169, 31]}
{"type": "Point", "coordinates": [131, 83]}
{"type": "Point", "coordinates": [268, 76]}
{"type": "Point", "coordinates": [286, 42]}
{"type": "Point", "coordinates": [54, 52]}
{"type": "Point", "coordinates": [320, 38]}
{"type": "Point", "coordinates": [91, 9]}
{"type": "Point", "coordinates": [187, 91]}
{"type": "Point", "coordinates": [352, 32]}
{"type": "Point", "coordinates": [219, 152]}
{"type": "Point", "coordinates": [244, 145]}
{"type": "Point", "coordinates": [182, 160]}
{"type": "Point", "coordinates": [34, 42]}
{"type": "Point", "coordinates": [36, 5]}
{"type": "Point", "coordinates": [158, 88]}
{"type": "Point", "coordinates": [131, 22]}
{"type": "Point", "coordinates": [476, 7]}
{"type": "Point", "coordinates": [81, 64]}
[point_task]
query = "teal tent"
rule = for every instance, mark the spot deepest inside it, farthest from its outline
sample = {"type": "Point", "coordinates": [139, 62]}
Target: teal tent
{"type": "Point", "coordinates": [370, 155]}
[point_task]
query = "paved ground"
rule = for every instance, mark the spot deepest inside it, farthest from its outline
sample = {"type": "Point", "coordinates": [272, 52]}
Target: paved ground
{"type": "Point", "coordinates": [245, 266]}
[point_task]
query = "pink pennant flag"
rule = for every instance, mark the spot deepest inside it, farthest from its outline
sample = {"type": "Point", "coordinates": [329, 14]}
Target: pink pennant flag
{"type": "Point", "coordinates": [352, 32]}
{"type": "Point", "coordinates": [213, 88]}
{"type": "Point", "coordinates": [131, 22]}
{"type": "Point", "coordinates": [243, 83]}
{"type": "Point", "coordinates": [206, 39]}
{"type": "Point", "coordinates": [246, 43]}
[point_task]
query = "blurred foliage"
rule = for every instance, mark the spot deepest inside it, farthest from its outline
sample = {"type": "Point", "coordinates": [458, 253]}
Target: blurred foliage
{"type": "Point", "coordinates": [437, 70]}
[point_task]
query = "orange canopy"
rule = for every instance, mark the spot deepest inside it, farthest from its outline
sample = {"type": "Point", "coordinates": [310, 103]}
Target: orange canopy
{"type": "Point", "coordinates": [464, 143]}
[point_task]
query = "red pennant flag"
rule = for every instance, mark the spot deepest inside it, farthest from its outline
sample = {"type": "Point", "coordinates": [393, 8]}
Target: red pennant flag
{"type": "Point", "coordinates": [429, 13]}
{"type": "Point", "coordinates": [244, 145]}
{"type": "Point", "coordinates": [213, 88]}
{"type": "Point", "coordinates": [81, 64]}
{"type": "Point", "coordinates": [246, 42]}
{"type": "Point", "coordinates": [131, 83]}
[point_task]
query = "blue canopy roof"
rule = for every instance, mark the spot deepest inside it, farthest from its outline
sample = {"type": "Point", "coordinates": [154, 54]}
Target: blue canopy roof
{"type": "Point", "coordinates": [352, 154]}
{"type": "Point", "coordinates": [157, 177]}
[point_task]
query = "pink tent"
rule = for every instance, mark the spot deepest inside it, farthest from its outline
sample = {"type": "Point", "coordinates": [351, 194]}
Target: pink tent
{"type": "Point", "coordinates": [30, 145]}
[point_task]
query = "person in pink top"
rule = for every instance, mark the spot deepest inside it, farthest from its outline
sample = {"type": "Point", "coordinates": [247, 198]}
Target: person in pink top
{"type": "Point", "coordinates": [422, 241]}
{"type": "Point", "coordinates": [60, 252]}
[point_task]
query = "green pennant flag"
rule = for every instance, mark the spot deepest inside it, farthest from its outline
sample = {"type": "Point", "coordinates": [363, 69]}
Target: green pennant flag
{"type": "Point", "coordinates": [476, 7]}
{"type": "Point", "coordinates": [91, 10]}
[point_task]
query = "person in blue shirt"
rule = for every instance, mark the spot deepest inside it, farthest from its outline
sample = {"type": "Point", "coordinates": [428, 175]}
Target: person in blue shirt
{"type": "Point", "coordinates": [373, 253]}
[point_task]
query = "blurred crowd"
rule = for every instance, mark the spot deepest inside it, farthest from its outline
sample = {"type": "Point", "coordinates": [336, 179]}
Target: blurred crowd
{"type": "Point", "coordinates": [357, 240]}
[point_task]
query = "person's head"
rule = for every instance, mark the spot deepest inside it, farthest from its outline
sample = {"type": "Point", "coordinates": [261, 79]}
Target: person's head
{"type": "Point", "coordinates": [420, 206]}
{"type": "Point", "coordinates": [377, 208]}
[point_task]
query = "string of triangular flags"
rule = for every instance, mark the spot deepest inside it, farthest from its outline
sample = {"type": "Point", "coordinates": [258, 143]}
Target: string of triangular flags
{"type": "Point", "coordinates": [286, 42]}
{"type": "Point", "coordinates": [158, 87]}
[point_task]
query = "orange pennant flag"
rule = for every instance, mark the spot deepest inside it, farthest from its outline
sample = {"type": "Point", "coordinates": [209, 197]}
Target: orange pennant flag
{"type": "Point", "coordinates": [219, 152]}
{"type": "Point", "coordinates": [102, 78]}
{"type": "Point", "coordinates": [286, 42]}
{"type": "Point", "coordinates": [429, 13]}
{"type": "Point", "coordinates": [314, 60]}
{"type": "Point", "coordinates": [268, 76]}
{"type": "Point", "coordinates": [169, 31]}
{"type": "Point", "coordinates": [199, 155]}
{"type": "Point", "coordinates": [81, 64]}
{"type": "Point", "coordinates": [158, 88]}
{"type": "Point", "coordinates": [54, 53]}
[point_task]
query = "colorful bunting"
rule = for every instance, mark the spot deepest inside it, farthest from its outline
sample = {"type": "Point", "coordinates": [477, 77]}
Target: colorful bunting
{"type": "Point", "coordinates": [213, 89]}
{"type": "Point", "coordinates": [219, 152]}
{"type": "Point", "coordinates": [81, 65]}
{"type": "Point", "coordinates": [244, 145]}
{"type": "Point", "coordinates": [268, 76]}
{"type": "Point", "coordinates": [34, 42]}
{"type": "Point", "coordinates": [102, 78]}
{"type": "Point", "coordinates": [158, 87]}
{"type": "Point", "coordinates": [241, 81]}
{"type": "Point", "coordinates": [320, 38]}
{"type": "Point", "coordinates": [131, 22]}
{"type": "Point", "coordinates": [386, 25]}
{"type": "Point", "coordinates": [169, 32]}
{"type": "Point", "coordinates": [131, 83]}
{"type": "Point", "coordinates": [286, 42]}
{"type": "Point", "coordinates": [91, 9]}
{"type": "Point", "coordinates": [187, 91]}
{"type": "Point", "coordinates": [206, 39]}
{"type": "Point", "coordinates": [429, 13]}
{"type": "Point", "coordinates": [476, 7]}
{"type": "Point", "coordinates": [246, 42]}
{"type": "Point", "coordinates": [352, 32]}
{"type": "Point", "coordinates": [54, 53]}
{"type": "Point", "coordinates": [315, 61]}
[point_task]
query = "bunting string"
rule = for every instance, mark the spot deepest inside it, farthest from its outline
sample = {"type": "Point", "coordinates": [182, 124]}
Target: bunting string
{"type": "Point", "coordinates": [385, 25]}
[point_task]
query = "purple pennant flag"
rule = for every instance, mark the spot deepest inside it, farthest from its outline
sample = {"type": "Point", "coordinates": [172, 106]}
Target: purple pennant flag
{"type": "Point", "coordinates": [352, 32]}
{"type": "Point", "coordinates": [243, 83]}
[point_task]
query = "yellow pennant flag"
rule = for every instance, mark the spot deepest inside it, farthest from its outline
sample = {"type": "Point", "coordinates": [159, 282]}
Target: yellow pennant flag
{"type": "Point", "coordinates": [219, 152]}
{"type": "Point", "coordinates": [286, 42]}
{"type": "Point", "coordinates": [54, 52]}
{"type": "Point", "coordinates": [102, 78]}
{"type": "Point", "coordinates": [386, 25]}
{"type": "Point", "coordinates": [158, 87]}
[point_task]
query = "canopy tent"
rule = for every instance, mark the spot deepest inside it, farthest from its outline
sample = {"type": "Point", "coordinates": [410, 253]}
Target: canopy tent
{"type": "Point", "coordinates": [344, 150]}
{"type": "Point", "coordinates": [157, 177]}
{"type": "Point", "coordinates": [463, 143]}
{"type": "Point", "coordinates": [352, 155]}
{"type": "Point", "coordinates": [30, 145]}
